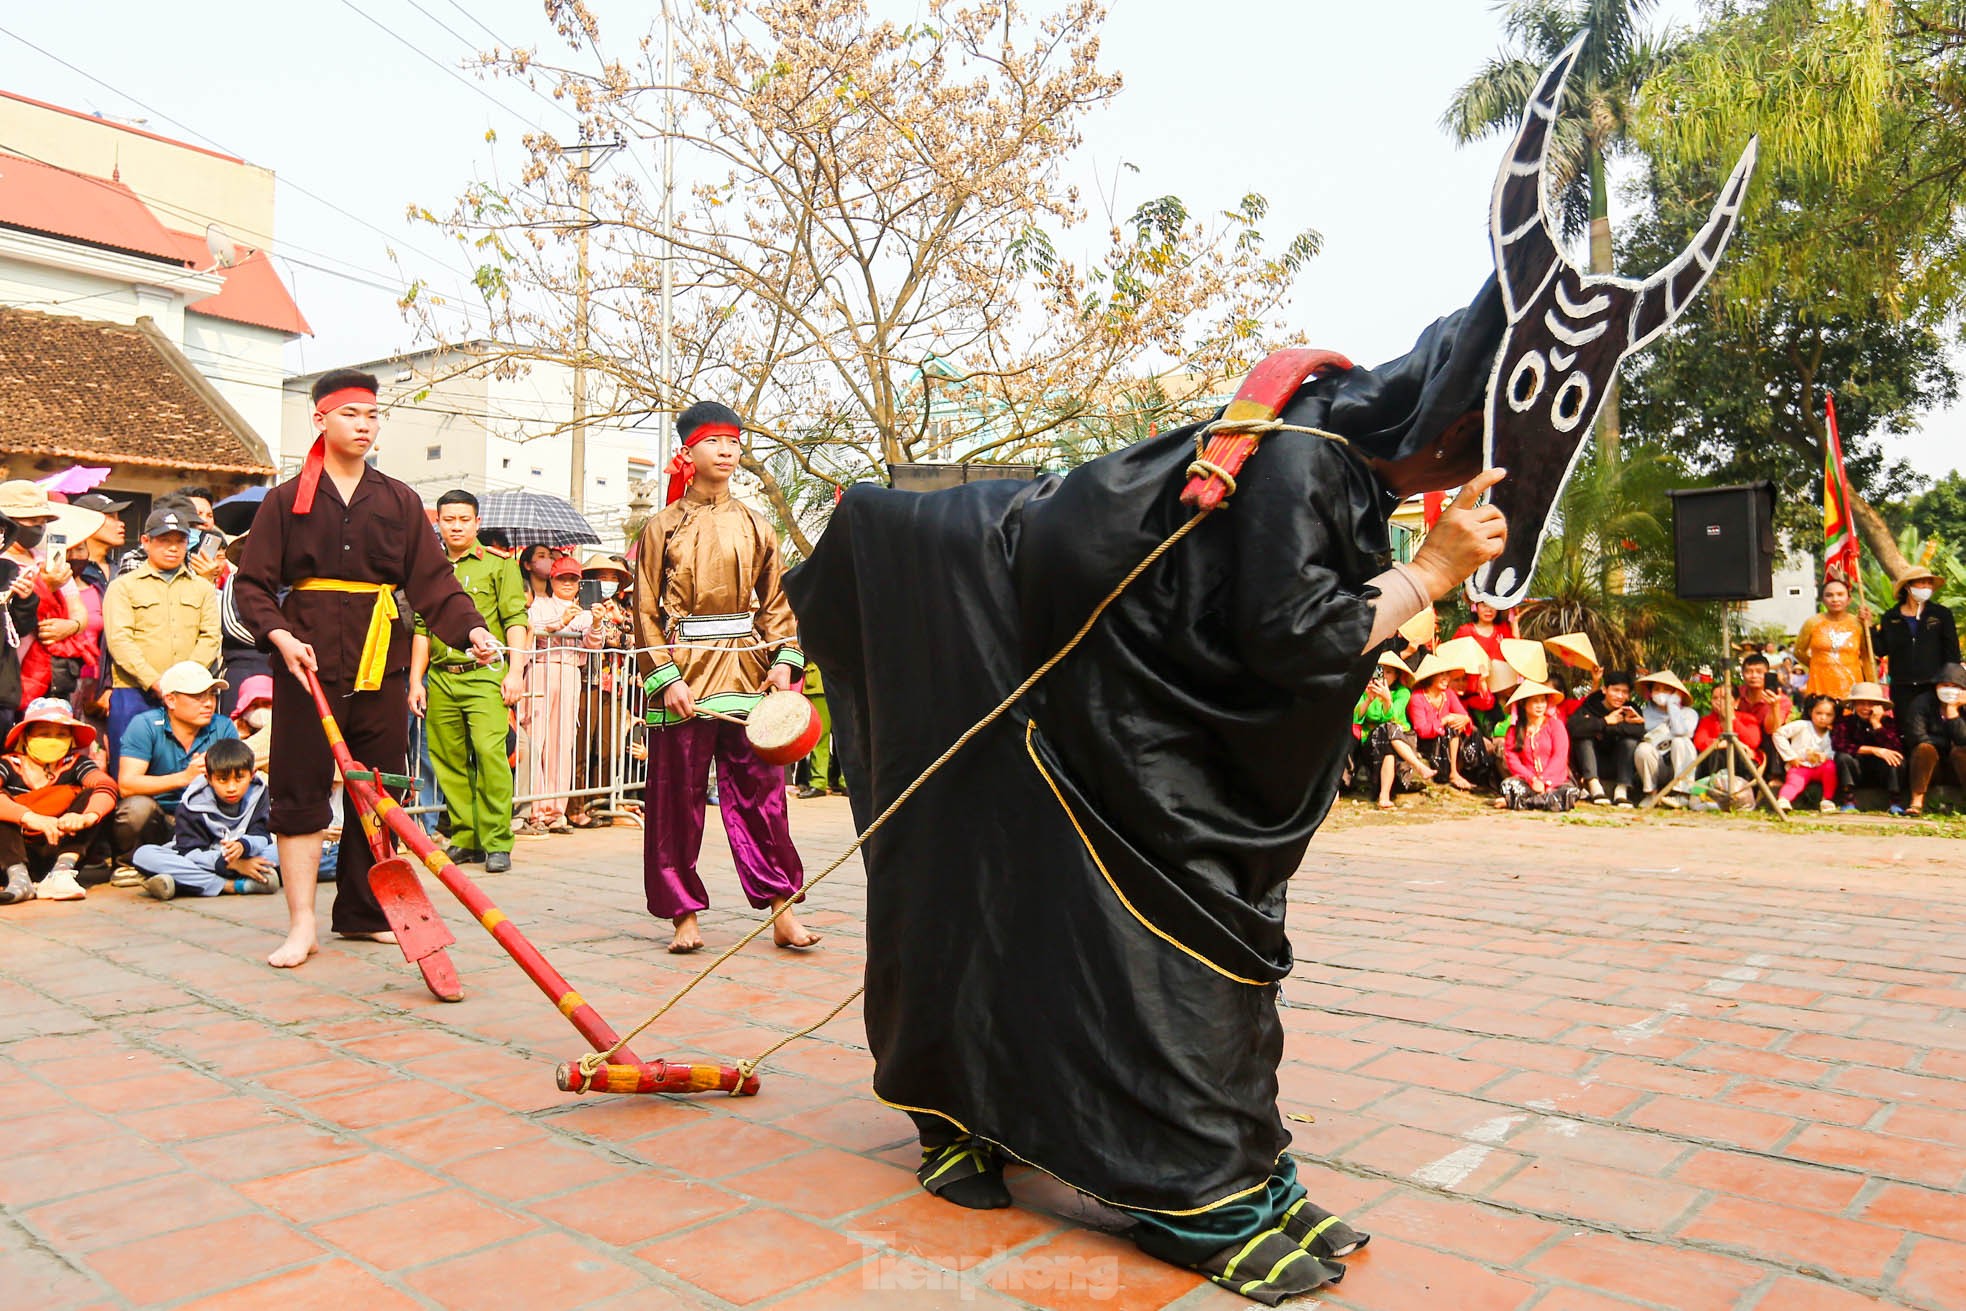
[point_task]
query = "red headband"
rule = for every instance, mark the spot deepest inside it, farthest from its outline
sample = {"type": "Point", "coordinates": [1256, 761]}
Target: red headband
{"type": "Point", "coordinates": [682, 469]}
{"type": "Point", "coordinates": [310, 471]}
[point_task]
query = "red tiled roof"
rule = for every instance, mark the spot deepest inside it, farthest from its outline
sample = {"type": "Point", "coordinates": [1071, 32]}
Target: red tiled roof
{"type": "Point", "coordinates": [108, 393]}
{"type": "Point", "coordinates": [253, 292]}
{"type": "Point", "coordinates": [55, 202]}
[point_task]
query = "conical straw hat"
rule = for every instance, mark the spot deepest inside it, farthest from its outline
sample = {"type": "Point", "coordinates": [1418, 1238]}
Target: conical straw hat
{"type": "Point", "coordinates": [1527, 658]}
{"type": "Point", "coordinates": [1573, 649]}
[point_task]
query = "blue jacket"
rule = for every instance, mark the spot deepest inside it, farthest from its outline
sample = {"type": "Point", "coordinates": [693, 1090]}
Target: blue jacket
{"type": "Point", "coordinates": [203, 826]}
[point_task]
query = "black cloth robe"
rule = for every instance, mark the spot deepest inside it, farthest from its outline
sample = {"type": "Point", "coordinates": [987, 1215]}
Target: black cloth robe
{"type": "Point", "coordinates": [1076, 929]}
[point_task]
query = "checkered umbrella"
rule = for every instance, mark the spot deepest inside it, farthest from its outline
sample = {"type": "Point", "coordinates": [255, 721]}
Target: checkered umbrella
{"type": "Point", "coordinates": [537, 519]}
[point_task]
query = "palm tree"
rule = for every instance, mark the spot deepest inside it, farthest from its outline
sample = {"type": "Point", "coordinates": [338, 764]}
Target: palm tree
{"type": "Point", "coordinates": [1618, 58]}
{"type": "Point", "coordinates": [1606, 569]}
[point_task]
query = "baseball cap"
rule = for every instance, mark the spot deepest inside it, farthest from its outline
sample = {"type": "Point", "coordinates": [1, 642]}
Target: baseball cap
{"type": "Point", "coordinates": [168, 520]}
{"type": "Point", "coordinates": [188, 677]}
{"type": "Point", "coordinates": [566, 567]}
{"type": "Point", "coordinates": [99, 503]}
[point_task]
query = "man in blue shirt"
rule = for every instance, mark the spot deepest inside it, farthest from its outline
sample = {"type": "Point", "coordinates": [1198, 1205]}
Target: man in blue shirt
{"type": "Point", "coordinates": [164, 753]}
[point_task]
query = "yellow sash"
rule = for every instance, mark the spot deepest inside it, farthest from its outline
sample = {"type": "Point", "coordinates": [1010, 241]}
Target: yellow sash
{"type": "Point", "coordinates": [382, 621]}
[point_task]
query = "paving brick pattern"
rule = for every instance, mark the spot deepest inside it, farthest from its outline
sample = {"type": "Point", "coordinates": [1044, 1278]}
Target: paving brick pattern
{"type": "Point", "coordinates": [1552, 1066]}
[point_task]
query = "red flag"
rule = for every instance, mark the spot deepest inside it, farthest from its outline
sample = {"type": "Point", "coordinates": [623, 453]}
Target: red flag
{"type": "Point", "coordinates": [1840, 555]}
{"type": "Point", "coordinates": [1431, 505]}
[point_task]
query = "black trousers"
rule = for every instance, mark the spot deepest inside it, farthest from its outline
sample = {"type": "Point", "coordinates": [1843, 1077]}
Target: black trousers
{"type": "Point", "coordinates": [17, 848]}
{"type": "Point", "coordinates": [1611, 760]}
{"type": "Point", "coordinates": [376, 727]}
{"type": "Point", "coordinates": [1853, 772]}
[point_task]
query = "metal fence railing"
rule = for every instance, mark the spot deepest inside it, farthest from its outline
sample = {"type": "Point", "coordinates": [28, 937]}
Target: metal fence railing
{"type": "Point", "coordinates": [577, 740]}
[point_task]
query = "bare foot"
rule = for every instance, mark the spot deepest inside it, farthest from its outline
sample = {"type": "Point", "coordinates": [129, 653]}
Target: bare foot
{"type": "Point", "coordinates": [786, 931]}
{"type": "Point", "coordinates": [300, 944]}
{"type": "Point", "coordinates": [384, 936]}
{"type": "Point", "coordinates": [688, 937]}
{"type": "Point", "coordinates": [1386, 805]}
{"type": "Point", "coordinates": [1458, 782]}
{"type": "Point", "coordinates": [1501, 803]}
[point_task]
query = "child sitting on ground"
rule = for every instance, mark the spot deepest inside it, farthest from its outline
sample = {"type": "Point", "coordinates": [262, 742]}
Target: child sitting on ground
{"type": "Point", "coordinates": [1809, 751]}
{"type": "Point", "coordinates": [222, 843]}
{"type": "Point", "coordinates": [53, 797]}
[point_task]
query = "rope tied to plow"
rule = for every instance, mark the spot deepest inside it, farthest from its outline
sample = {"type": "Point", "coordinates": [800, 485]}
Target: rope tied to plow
{"type": "Point", "coordinates": [593, 1061]}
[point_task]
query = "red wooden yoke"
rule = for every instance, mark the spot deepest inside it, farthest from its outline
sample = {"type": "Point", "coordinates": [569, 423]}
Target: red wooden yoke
{"type": "Point", "coordinates": [1262, 396]}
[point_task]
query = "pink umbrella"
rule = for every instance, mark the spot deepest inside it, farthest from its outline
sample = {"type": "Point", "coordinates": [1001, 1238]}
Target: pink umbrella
{"type": "Point", "coordinates": [76, 479]}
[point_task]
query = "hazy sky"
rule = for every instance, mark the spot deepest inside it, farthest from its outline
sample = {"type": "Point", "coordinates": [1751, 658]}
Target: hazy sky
{"type": "Point", "coordinates": [1329, 109]}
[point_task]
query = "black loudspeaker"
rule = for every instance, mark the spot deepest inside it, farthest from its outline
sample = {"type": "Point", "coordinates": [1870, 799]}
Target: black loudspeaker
{"type": "Point", "coordinates": [1723, 542]}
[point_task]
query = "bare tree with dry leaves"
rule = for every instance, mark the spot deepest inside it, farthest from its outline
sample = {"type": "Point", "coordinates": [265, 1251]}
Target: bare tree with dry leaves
{"type": "Point", "coordinates": [872, 257]}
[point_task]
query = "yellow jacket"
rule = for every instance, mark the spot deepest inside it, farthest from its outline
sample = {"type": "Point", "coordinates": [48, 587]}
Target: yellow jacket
{"type": "Point", "coordinates": [151, 621]}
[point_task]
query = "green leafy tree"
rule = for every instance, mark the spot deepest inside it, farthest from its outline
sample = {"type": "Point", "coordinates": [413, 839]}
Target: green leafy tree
{"type": "Point", "coordinates": [1850, 250]}
{"type": "Point", "coordinates": [1619, 55]}
{"type": "Point", "coordinates": [1941, 511]}
{"type": "Point", "coordinates": [1607, 568]}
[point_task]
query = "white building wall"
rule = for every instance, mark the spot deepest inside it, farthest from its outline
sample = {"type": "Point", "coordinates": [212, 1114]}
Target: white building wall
{"type": "Point", "coordinates": [246, 364]}
{"type": "Point", "coordinates": [1796, 575]}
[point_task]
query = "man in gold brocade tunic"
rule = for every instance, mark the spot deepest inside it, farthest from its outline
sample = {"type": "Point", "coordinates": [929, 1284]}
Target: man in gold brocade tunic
{"type": "Point", "coordinates": [717, 634]}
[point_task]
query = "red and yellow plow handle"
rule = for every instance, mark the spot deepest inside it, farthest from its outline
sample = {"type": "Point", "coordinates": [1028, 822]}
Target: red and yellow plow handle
{"type": "Point", "coordinates": [1262, 396]}
{"type": "Point", "coordinates": [627, 1073]}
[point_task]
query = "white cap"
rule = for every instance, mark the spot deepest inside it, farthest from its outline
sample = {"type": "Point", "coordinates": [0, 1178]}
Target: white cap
{"type": "Point", "coordinates": [188, 677]}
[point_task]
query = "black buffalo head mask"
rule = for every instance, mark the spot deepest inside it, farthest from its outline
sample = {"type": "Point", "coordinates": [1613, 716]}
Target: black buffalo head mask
{"type": "Point", "coordinates": [1567, 332]}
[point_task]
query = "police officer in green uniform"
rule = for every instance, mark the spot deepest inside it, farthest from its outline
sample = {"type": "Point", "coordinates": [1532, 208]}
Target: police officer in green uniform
{"type": "Point", "coordinates": [464, 704]}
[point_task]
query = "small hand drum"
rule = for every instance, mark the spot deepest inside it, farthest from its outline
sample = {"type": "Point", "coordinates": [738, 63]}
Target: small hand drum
{"type": "Point", "coordinates": [783, 728]}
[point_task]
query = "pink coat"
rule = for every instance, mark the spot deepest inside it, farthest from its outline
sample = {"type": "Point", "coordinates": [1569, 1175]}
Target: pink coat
{"type": "Point", "coordinates": [1547, 758]}
{"type": "Point", "coordinates": [1425, 716]}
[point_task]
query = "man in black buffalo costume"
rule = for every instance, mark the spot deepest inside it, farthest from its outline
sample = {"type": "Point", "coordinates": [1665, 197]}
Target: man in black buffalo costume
{"type": "Point", "coordinates": [1076, 928]}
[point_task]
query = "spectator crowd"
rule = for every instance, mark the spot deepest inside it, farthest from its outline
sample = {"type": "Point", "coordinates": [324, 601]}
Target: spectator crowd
{"type": "Point", "coordinates": [1866, 707]}
{"type": "Point", "coordinates": [135, 708]}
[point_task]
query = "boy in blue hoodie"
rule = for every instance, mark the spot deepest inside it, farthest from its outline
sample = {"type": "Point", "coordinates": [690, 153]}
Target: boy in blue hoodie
{"type": "Point", "coordinates": [222, 843]}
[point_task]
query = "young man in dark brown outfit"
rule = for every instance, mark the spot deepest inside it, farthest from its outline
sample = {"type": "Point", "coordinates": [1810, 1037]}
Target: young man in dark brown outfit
{"type": "Point", "coordinates": [338, 539]}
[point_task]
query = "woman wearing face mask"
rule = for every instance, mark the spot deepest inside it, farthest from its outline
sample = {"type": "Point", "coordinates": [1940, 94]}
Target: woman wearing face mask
{"type": "Point", "coordinates": [254, 717]}
{"type": "Point", "coordinates": [536, 567]}
{"type": "Point", "coordinates": [1915, 638]}
{"type": "Point", "coordinates": [1935, 728]}
{"type": "Point", "coordinates": [1666, 751]}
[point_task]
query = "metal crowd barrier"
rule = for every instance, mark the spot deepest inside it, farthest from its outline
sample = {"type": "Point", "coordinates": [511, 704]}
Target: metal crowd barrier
{"type": "Point", "coordinates": [578, 740]}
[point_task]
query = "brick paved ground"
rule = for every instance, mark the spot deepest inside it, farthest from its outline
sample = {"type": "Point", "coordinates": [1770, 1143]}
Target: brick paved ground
{"type": "Point", "coordinates": [1560, 1066]}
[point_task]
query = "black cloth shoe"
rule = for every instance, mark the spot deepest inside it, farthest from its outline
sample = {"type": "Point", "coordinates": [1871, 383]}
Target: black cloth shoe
{"type": "Point", "coordinates": [465, 856]}
{"type": "Point", "coordinates": [967, 1173]}
{"type": "Point", "coordinates": [1321, 1233]}
{"type": "Point", "coordinates": [498, 862]}
{"type": "Point", "coordinates": [808, 793]}
{"type": "Point", "coordinates": [1270, 1267]}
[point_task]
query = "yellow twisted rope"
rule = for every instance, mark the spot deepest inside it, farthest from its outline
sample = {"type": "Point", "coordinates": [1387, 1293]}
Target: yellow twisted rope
{"type": "Point", "coordinates": [593, 1061]}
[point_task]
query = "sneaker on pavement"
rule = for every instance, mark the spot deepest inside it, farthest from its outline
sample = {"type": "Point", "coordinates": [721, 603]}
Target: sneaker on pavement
{"type": "Point", "coordinates": [61, 885]}
{"type": "Point", "coordinates": [1783, 803]}
{"type": "Point", "coordinates": [126, 876]}
{"type": "Point", "coordinates": [19, 886]}
{"type": "Point", "coordinates": [1829, 808]}
{"type": "Point", "coordinates": [498, 862]}
{"type": "Point", "coordinates": [1848, 808]}
{"type": "Point", "coordinates": [161, 886]}
{"type": "Point", "coordinates": [1673, 800]}
{"type": "Point", "coordinates": [1620, 796]}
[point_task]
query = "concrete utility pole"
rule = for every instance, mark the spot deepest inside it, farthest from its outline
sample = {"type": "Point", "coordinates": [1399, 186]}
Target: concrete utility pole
{"type": "Point", "coordinates": [583, 170]}
{"type": "Point", "coordinates": [667, 432]}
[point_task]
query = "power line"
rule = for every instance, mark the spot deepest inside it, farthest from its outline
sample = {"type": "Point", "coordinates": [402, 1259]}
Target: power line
{"type": "Point", "coordinates": [173, 210]}
{"type": "Point", "coordinates": [217, 145]}
{"type": "Point", "coordinates": [439, 64]}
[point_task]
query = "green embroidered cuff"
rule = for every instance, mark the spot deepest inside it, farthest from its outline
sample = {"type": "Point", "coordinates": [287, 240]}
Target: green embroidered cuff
{"type": "Point", "coordinates": [661, 678]}
{"type": "Point", "coordinates": [790, 655]}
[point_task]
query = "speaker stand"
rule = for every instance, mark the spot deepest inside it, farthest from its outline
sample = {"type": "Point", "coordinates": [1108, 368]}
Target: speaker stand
{"type": "Point", "coordinates": [1728, 742]}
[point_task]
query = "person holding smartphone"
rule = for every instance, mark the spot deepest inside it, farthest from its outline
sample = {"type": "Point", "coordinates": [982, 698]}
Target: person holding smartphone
{"type": "Point", "coordinates": [43, 600]}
